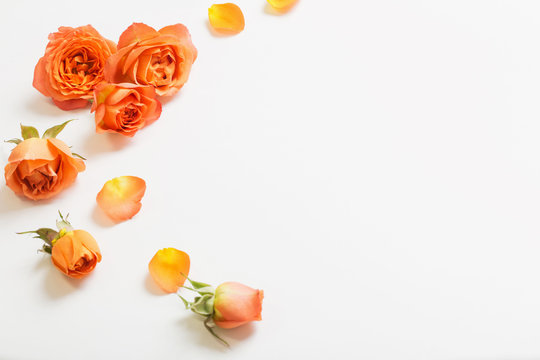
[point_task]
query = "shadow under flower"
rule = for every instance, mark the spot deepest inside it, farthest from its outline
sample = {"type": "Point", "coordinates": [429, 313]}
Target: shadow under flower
{"type": "Point", "coordinates": [101, 218]}
{"type": "Point", "coordinates": [45, 106]}
{"type": "Point", "coordinates": [9, 201]}
{"type": "Point", "coordinates": [57, 285]}
{"type": "Point", "coordinates": [105, 142]}
{"type": "Point", "coordinates": [152, 287]}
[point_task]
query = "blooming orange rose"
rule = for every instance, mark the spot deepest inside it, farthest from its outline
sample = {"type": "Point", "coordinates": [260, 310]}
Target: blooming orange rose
{"type": "Point", "coordinates": [72, 66]}
{"type": "Point", "coordinates": [124, 108]}
{"type": "Point", "coordinates": [145, 56]}
{"type": "Point", "coordinates": [76, 253]}
{"type": "Point", "coordinates": [236, 304]}
{"type": "Point", "coordinates": [41, 168]}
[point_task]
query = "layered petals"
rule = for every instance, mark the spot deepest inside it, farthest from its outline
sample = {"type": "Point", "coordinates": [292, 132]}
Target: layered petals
{"type": "Point", "coordinates": [41, 168]}
{"type": "Point", "coordinates": [169, 268]}
{"type": "Point", "coordinates": [161, 59]}
{"type": "Point", "coordinates": [72, 66]}
{"type": "Point", "coordinates": [120, 198]}
{"type": "Point", "coordinates": [76, 254]}
{"type": "Point", "coordinates": [124, 108]}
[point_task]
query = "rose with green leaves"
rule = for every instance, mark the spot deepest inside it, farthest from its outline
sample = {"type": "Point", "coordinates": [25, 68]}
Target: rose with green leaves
{"type": "Point", "coordinates": [40, 168]}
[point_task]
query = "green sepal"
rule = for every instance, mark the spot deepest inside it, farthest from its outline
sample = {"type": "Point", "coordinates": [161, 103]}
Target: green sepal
{"type": "Point", "coordinates": [46, 249]}
{"type": "Point", "coordinates": [28, 132]}
{"type": "Point", "coordinates": [44, 234]}
{"type": "Point", "coordinates": [198, 285]}
{"type": "Point", "coordinates": [203, 305]}
{"type": "Point", "coordinates": [55, 130]}
{"type": "Point", "coordinates": [186, 303]}
{"type": "Point", "coordinates": [63, 223]}
{"type": "Point", "coordinates": [77, 155]}
{"type": "Point", "coordinates": [14, 141]}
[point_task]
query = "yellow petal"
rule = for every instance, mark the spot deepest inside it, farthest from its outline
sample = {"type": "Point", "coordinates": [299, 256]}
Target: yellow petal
{"type": "Point", "coordinates": [169, 268]}
{"type": "Point", "coordinates": [226, 18]}
{"type": "Point", "coordinates": [282, 4]}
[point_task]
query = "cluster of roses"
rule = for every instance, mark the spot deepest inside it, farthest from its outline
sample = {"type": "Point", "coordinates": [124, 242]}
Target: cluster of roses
{"type": "Point", "coordinates": [123, 82]}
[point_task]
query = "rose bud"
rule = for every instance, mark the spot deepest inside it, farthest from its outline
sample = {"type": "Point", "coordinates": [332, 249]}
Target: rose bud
{"type": "Point", "coordinates": [124, 108]}
{"type": "Point", "coordinates": [230, 305]}
{"type": "Point", "coordinates": [236, 304]}
{"type": "Point", "coordinates": [145, 56]}
{"type": "Point", "coordinates": [40, 168]}
{"type": "Point", "coordinates": [73, 252]}
{"type": "Point", "coordinates": [72, 66]}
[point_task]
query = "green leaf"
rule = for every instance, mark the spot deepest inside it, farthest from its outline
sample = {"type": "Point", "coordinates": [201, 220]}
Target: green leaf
{"type": "Point", "coordinates": [44, 234]}
{"type": "Point", "coordinates": [55, 130]}
{"type": "Point", "coordinates": [14, 141]}
{"type": "Point", "coordinates": [28, 132]}
{"type": "Point", "coordinates": [77, 155]}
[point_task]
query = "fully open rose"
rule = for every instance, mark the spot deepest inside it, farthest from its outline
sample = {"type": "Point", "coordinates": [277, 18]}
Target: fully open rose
{"type": "Point", "coordinates": [72, 66]}
{"type": "Point", "coordinates": [40, 168]}
{"type": "Point", "coordinates": [145, 56]}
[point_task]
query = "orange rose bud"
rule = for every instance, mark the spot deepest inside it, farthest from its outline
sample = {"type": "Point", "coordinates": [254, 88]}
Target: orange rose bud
{"type": "Point", "coordinates": [72, 66]}
{"type": "Point", "coordinates": [73, 252]}
{"type": "Point", "coordinates": [162, 59]}
{"type": "Point", "coordinates": [282, 4]}
{"type": "Point", "coordinates": [120, 198]}
{"type": "Point", "coordinates": [41, 168]}
{"type": "Point", "coordinates": [76, 253]}
{"type": "Point", "coordinates": [226, 18]}
{"type": "Point", "coordinates": [169, 268]}
{"type": "Point", "coordinates": [124, 108]}
{"type": "Point", "coordinates": [236, 304]}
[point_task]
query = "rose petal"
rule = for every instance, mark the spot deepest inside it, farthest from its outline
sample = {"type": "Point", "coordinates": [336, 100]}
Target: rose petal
{"type": "Point", "coordinates": [167, 267]}
{"type": "Point", "coordinates": [136, 32]}
{"type": "Point", "coordinates": [226, 18]}
{"type": "Point", "coordinates": [120, 198]}
{"type": "Point", "coordinates": [282, 4]}
{"type": "Point", "coordinates": [71, 104]}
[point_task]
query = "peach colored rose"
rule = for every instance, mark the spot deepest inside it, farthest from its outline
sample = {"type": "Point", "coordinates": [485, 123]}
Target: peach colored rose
{"type": "Point", "coordinates": [72, 66]}
{"type": "Point", "coordinates": [236, 304]}
{"type": "Point", "coordinates": [162, 59]}
{"type": "Point", "coordinates": [41, 168]}
{"type": "Point", "coordinates": [75, 253]}
{"type": "Point", "coordinates": [124, 108]}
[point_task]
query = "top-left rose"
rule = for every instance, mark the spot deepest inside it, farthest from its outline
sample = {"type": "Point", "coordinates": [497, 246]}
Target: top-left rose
{"type": "Point", "coordinates": [72, 66]}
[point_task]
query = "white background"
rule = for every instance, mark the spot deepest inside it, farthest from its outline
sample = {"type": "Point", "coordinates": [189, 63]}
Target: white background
{"type": "Point", "coordinates": [374, 166]}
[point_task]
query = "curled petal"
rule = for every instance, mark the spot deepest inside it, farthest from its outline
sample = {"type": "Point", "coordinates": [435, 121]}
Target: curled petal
{"type": "Point", "coordinates": [169, 268]}
{"type": "Point", "coordinates": [226, 18]}
{"type": "Point", "coordinates": [120, 198]}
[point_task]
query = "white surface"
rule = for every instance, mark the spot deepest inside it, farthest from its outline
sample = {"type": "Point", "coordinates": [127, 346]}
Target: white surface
{"type": "Point", "coordinates": [374, 166]}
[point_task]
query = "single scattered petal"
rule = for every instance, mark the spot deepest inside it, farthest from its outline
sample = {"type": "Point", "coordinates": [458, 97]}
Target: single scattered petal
{"type": "Point", "coordinates": [226, 18]}
{"type": "Point", "coordinates": [169, 268]}
{"type": "Point", "coordinates": [120, 198]}
{"type": "Point", "coordinates": [282, 4]}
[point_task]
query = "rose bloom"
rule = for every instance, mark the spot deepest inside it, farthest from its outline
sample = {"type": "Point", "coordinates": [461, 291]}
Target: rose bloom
{"type": "Point", "coordinates": [145, 56]}
{"type": "Point", "coordinates": [72, 66]}
{"type": "Point", "coordinates": [41, 168]}
{"type": "Point", "coordinates": [236, 304]}
{"type": "Point", "coordinates": [124, 108]}
{"type": "Point", "coordinates": [76, 254]}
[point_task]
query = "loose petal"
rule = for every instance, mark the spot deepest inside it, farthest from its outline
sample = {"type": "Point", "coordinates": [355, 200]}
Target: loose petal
{"type": "Point", "coordinates": [226, 18]}
{"type": "Point", "coordinates": [120, 198]}
{"type": "Point", "coordinates": [282, 4]}
{"type": "Point", "coordinates": [169, 268]}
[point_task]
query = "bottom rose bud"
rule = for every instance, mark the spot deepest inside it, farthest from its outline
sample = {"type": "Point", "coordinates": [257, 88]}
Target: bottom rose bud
{"type": "Point", "coordinates": [230, 305]}
{"type": "Point", "coordinates": [73, 252]}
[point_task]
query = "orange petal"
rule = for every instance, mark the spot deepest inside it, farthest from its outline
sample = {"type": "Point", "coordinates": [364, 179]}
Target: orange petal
{"type": "Point", "coordinates": [120, 198]}
{"type": "Point", "coordinates": [136, 32]}
{"type": "Point", "coordinates": [282, 4]}
{"type": "Point", "coordinates": [169, 268]}
{"type": "Point", "coordinates": [226, 18]}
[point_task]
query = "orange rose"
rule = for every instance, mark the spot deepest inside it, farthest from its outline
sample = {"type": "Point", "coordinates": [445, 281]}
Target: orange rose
{"type": "Point", "coordinates": [41, 168]}
{"type": "Point", "coordinates": [72, 66]}
{"type": "Point", "coordinates": [230, 305]}
{"type": "Point", "coordinates": [236, 304]}
{"type": "Point", "coordinates": [75, 253]}
{"type": "Point", "coordinates": [145, 56]}
{"type": "Point", "coordinates": [124, 108]}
